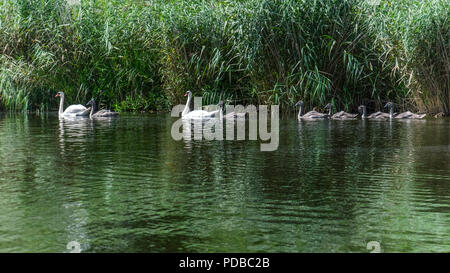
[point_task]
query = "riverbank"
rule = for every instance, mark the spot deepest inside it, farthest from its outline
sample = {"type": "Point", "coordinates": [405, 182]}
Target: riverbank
{"type": "Point", "coordinates": [143, 55]}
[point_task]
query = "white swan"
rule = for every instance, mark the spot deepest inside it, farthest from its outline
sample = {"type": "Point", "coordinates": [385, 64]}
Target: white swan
{"type": "Point", "coordinates": [75, 110]}
{"type": "Point", "coordinates": [196, 114]}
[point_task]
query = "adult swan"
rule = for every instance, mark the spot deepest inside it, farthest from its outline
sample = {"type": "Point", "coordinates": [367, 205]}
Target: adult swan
{"type": "Point", "coordinates": [76, 110]}
{"type": "Point", "coordinates": [196, 114]}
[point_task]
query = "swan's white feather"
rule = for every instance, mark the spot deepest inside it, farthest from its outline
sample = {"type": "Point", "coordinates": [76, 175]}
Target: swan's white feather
{"type": "Point", "coordinates": [74, 109]}
{"type": "Point", "coordinates": [199, 114]}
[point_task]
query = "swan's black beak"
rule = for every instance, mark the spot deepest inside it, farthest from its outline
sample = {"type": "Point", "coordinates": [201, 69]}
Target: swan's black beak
{"type": "Point", "coordinates": [387, 105]}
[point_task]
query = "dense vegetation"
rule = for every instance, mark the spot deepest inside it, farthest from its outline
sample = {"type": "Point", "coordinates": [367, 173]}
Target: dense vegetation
{"type": "Point", "coordinates": [143, 55]}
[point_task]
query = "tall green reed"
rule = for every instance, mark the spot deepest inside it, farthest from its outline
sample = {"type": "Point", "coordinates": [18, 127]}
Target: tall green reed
{"type": "Point", "coordinates": [143, 55]}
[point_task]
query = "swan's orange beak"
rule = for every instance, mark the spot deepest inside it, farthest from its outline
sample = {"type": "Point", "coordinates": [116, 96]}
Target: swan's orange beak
{"type": "Point", "coordinates": [57, 95]}
{"type": "Point", "coordinates": [185, 94]}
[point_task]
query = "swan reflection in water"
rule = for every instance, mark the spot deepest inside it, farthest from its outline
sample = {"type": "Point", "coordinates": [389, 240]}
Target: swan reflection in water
{"type": "Point", "coordinates": [72, 144]}
{"type": "Point", "coordinates": [193, 129]}
{"type": "Point", "coordinates": [73, 131]}
{"type": "Point", "coordinates": [75, 127]}
{"type": "Point", "coordinates": [202, 130]}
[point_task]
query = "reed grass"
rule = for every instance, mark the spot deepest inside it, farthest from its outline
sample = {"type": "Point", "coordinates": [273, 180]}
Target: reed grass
{"type": "Point", "coordinates": [143, 55]}
{"type": "Point", "coordinates": [414, 38]}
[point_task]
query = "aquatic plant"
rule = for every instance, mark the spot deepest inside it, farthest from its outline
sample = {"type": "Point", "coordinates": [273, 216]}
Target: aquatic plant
{"type": "Point", "coordinates": [414, 42]}
{"type": "Point", "coordinates": [143, 55]}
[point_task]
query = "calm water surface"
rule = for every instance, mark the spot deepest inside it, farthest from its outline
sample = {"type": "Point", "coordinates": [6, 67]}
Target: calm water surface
{"type": "Point", "coordinates": [127, 186]}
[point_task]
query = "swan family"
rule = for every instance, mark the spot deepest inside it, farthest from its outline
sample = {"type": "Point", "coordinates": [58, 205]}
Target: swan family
{"type": "Point", "coordinates": [311, 115]}
{"type": "Point", "coordinates": [79, 110]}
{"type": "Point", "coordinates": [362, 109]}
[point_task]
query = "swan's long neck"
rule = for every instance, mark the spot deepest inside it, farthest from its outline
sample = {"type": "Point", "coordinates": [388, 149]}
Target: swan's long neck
{"type": "Point", "coordinates": [391, 111]}
{"type": "Point", "coordinates": [364, 113]}
{"type": "Point", "coordinates": [329, 111]}
{"type": "Point", "coordinates": [61, 105]}
{"type": "Point", "coordinates": [300, 112]}
{"type": "Point", "coordinates": [93, 109]}
{"type": "Point", "coordinates": [186, 108]}
{"type": "Point", "coordinates": [221, 112]}
{"type": "Point", "coordinates": [92, 112]}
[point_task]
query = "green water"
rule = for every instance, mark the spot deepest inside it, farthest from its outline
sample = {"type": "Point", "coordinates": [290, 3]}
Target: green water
{"type": "Point", "coordinates": [126, 186]}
